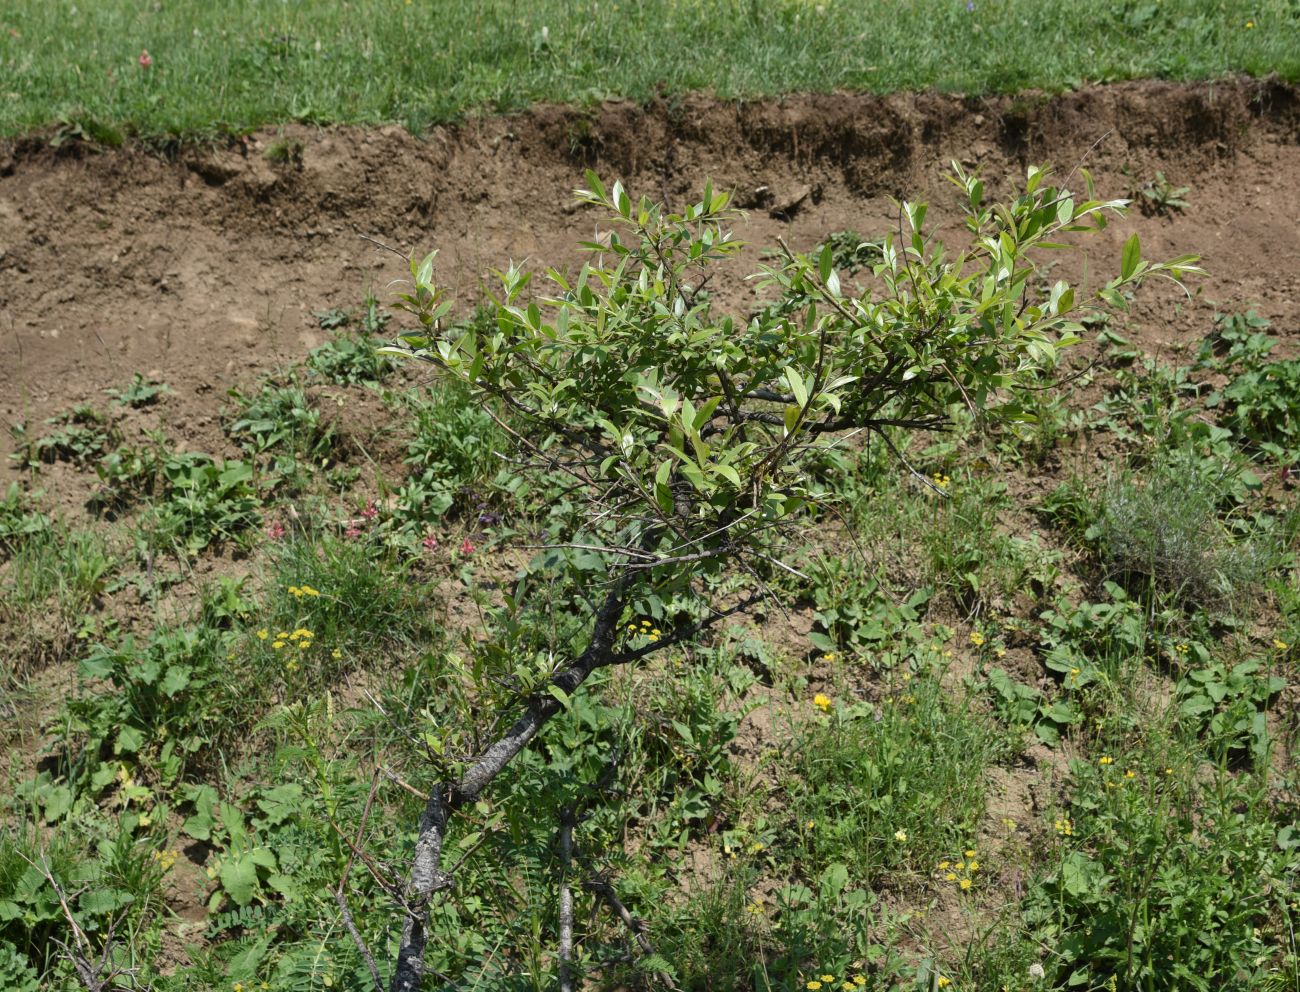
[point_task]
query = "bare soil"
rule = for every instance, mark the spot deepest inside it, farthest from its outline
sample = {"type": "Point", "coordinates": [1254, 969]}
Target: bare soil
{"type": "Point", "coordinates": [205, 264]}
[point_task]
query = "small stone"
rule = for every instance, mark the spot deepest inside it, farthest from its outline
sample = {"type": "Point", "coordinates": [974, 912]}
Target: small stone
{"type": "Point", "coordinates": [789, 205]}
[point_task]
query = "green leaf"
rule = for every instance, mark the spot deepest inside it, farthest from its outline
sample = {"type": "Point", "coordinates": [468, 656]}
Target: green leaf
{"type": "Point", "coordinates": [129, 739]}
{"type": "Point", "coordinates": [560, 695]}
{"type": "Point", "coordinates": [176, 679]}
{"type": "Point", "coordinates": [1080, 875]}
{"type": "Point", "coordinates": [239, 878]}
{"type": "Point", "coordinates": [100, 901]}
{"type": "Point", "coordinates": [797, 387]}
{"type": "Point", "coordinates": [1131, 257]}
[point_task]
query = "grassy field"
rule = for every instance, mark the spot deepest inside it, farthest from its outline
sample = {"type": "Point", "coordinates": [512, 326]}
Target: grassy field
{"type": "Point", "coordinates": [234, 66]}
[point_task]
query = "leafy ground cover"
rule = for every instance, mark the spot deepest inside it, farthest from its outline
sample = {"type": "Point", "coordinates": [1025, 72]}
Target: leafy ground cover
{"type": "Point", "coordinates": [108, 69]}
{"type": "Point", "coordinates": [1028, 724]}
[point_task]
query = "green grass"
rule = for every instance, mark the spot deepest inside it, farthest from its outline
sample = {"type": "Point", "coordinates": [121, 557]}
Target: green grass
{"type": "Point", "coordinates": [234, 66]}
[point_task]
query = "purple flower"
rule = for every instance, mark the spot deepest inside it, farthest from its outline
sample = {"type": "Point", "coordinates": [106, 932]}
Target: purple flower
{"type": "Point", "coordinates": [970, 6]}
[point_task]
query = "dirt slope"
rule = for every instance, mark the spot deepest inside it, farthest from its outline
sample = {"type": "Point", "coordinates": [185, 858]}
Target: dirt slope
{"type": "Point", "coordinates": [205, 264]}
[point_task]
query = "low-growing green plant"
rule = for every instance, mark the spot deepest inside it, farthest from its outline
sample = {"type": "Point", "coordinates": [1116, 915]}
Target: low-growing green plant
{"type": "Point", "coordinates": [280, 418]}
{"type": "Point", "coordinates": [141, 391]}
{"type": "Point", "coordinates": [81, 436]}
{"type": "Point", "coordinates": [1023, 707]}
{"type": "Point", "coordinates": [890, 786]}
{"type": "Point", "coordinates": [1165, 879]}
{"type": "Point", "coordinates": [19, 518]}
{"type": "Point", "coordinates": [287, 151]}
{"type": "Point", "coordinates": [1160, 196]}
{"type": "Point", "coordinates": [1262, 406]}
{"type": "Point", "coordinates": [48, 592]}
{"type": "Point", "coordinates": [350, 361]}
{"type": "Point", "coordinates": [353, 597]}
{"type": "Point", "coordinates": [452, 454]}
{"type": "Point", "coordinates": [854, 615]}
{"type": "Point", "coordinates": [1229, 703]}
{"type": "Point", "coordinates": [169, 699]}
{"type": "Point", "coordinates": [129, 473]}
{"type": "Point", "coordinates": [204, 501]}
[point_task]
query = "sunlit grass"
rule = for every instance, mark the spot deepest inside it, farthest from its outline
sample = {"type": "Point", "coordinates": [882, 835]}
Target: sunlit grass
{"type": "Point", "coordinates": [236, 65]}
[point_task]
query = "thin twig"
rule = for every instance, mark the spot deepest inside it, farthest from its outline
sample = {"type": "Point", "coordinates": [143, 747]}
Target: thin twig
{"type": "Point", "coordinates": [340, 893]}
{"type": "Point", "coordinates": [601, 887]}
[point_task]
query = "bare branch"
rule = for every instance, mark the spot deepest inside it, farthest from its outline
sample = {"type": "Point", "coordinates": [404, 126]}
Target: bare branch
{"type": "Point", "coordinates": [566, 901]}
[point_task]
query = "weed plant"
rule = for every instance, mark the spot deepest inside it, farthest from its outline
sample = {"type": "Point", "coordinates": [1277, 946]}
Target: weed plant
{"type": "Point", "coordinates": [1162, 528]}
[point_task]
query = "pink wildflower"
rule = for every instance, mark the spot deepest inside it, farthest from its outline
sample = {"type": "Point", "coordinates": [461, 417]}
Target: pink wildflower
{"type": "Point", "coordinates": [431, 544]}
{"type": "Point", "coordinates": [467, 547]}
{"type": "Point", "coordinates": [352, 533]}
{"type": "Point", "coordinates": [146, 60]}
{"type": "Point", "coordinates": [275, 530]}
{"type": "Point", "coordinates": [371, 511]}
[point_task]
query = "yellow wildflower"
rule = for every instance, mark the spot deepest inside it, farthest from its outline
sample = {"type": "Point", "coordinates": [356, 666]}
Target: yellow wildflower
{"type": "Point", "coordinates": [290, 666]}
{"type": "Point", "coordinates": [976, 638]}
{"type": "Point", "coordinates": [336, 654]}
{"type": "Point", "coordinates": [1105, 760]}
{"type": "Point", "coordinates": [1280, 644]}
{"type": "Point", "coordinates": [970, 854]}
{"type": "Point", "coordinates": [813, 985]}
{"type": "Point", "coordinates": [822, 702]}
{"type": "Point", "coordinates": [944, 982]}
{"type": "Point", "coordinates": [900, 836]}
{"type": "Point", "coordinates": [973, 866]}
{"type": "Point", "coordinates": [965, 884]}
{"type": "Point", "coordinates": [828, 978]}
{"type": "Point", "coordinates": [1130, 774]}
{"type": "Point", "coordinates": [277, 645]}
{"type": "Point", "coordinates": [859, 980]}
{"type": "Point", "coordinates": [945, 865]}
{"type": "Point", "coordinates": [950, 877]}
{"type": "Point", "coordinates": [263, 634]}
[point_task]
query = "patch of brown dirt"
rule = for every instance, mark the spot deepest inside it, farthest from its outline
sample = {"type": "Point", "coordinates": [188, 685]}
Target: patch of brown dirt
{"type": "Point", "coordinates": [207, 266]}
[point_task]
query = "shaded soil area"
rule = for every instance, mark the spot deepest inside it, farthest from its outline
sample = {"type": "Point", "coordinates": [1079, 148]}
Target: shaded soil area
{"type": "Point", "coordinates": [201, 265]}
